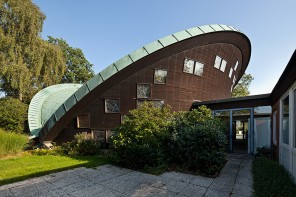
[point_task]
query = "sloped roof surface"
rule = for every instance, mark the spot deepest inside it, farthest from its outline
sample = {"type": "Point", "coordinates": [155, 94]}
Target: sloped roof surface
{"type": "Point", "coordinates": [46, 102]}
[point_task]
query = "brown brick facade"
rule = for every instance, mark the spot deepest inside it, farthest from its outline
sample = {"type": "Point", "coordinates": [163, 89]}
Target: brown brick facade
{"type": "Point", "coordinates": [179, 91]}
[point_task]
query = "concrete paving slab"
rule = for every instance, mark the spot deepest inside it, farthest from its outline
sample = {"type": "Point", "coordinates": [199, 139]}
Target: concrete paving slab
{"type": "Point", "coordinates": [193, 190]}
{"type": "Point", "coordinates": [217, 193]}
{"type": "Point", "coordinates": [235, 180]}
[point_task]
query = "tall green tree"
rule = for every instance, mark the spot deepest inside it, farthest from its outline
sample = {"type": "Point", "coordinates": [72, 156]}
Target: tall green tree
{"type": "Point", "coordinates": [242, 88]}
{"type": "Point", "coordinates": [27, 63]}
{"type": "Point", "coordinates": [78, 70]}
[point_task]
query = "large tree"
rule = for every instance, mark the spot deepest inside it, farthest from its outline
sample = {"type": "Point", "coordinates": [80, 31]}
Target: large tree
{"type": "Point", "coordinates": [242, 88]}
{"type": "Point", "coordinates": [27, 63]}
{"type": "Point", "coordinates": [78, 70]}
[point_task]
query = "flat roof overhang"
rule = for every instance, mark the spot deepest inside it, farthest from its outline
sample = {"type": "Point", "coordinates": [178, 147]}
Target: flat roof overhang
{"type": "Point", "coordinates": [235, 103]}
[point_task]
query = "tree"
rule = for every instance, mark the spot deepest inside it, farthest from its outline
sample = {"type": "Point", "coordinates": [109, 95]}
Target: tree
{"type": "Point", "coordinates": [27, 63]}
{"type": "Point", "coordinates": [78, 70]}
{"type": "Point", "coordinates": [13, 114]}
{"type": "Point", "coordinates": [242, 88]}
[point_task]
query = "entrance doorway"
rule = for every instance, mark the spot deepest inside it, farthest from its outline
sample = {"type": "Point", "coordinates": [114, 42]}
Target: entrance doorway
{"type": "Point", "coordinates": [240, 130]}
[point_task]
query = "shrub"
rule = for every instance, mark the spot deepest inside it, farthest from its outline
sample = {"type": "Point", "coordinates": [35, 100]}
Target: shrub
{"type": "Point", "coordinates": [140, 140]}
{"type": "Point", "coordinates": [83, 144]}
{"type": "Point", "coordinates": [263, 152]}
{"type": "Point", "coordinates": [198, 141]}
{"type": "Point", "coordinates": [13, 114]}
{"type": "Point", "coordinates": [11, 143]}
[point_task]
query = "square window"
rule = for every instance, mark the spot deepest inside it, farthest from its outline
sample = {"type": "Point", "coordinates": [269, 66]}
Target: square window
{"type": "Point", "coordinates": [160, 76]}
{"type": "Point", "coordinates": [217, 62]}
{"type": "Point", "coordinates": [230, 73]}
{"type": "Point", "coordinates": [198, 70]}
{"type": "Point", "coordinates": [143, 90]}
{"type": "Point", "coordinates": [158, 103]}
{"type": "Point", "coordinates": [140, 103]}
{"type": "Point", "coordinates": [83, 121]}
{"type": "Point", "coordinates": [223, 65]}
{"type": "Point", "coordinates": [112, 106]}
{"type": "Point", "coordinates": [188, 66]}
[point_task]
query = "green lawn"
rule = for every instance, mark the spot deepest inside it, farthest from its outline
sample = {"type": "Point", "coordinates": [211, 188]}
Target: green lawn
{"type": "Point", "coordinates": [27, 166]}
{"type": "Point", "coordinates": [271, 179]}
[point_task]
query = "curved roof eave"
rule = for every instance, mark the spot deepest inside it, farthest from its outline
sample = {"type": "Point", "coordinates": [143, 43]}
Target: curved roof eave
{"type": "Point", "coordinates": [134, 56]}
{"type": "Point", "coordinates": [46, 102]}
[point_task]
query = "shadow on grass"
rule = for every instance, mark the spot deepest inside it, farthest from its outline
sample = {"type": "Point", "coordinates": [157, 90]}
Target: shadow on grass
{"type": "Point", "coordinates": [90, 162]}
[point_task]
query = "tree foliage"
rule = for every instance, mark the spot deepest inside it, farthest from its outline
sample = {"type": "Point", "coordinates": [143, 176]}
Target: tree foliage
{"type": "Point", "coordinates": [27, 63]}
{"type": "Point", "coordinates": [78, 70]}
{"type": "Point", "coordinates": [13, 114]}
{"type": "Point", "coordinates": [242, 88]}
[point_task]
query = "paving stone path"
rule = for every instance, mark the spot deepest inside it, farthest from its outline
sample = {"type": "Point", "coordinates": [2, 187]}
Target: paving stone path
{"type": "Point", "coordinates": [235, 180]}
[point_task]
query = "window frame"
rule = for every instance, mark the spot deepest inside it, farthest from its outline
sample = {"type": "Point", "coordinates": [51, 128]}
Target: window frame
{"type": "Point", "coordinates": [78, 121]}
{"type": "Point", "coordinates": [108, 112]}
{"type": "Point", "coordinates": [150, 91]}
{"type": "Point", "coordinates": [165, 78]}
{"type": "Point", "coordinates": [221, 64]}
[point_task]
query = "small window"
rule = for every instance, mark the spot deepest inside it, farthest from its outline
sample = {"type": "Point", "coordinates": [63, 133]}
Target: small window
{"type": "Point", "coordinates": [160, 76]}
{"type": "Point", "coordinates": [188, 66]}
{"type": "Point", "coordinates": [83, 121]}
{"type": "Point", "coordinates": [234, 79]}
{"type": "Point", "coordinates": [140, 103]}
{"type": "Point", "coordinates": [198, 70]}
{"type": "Point", "coordinates": [230, 73]}
{"type": "Point", "coordinates": [112, 106]}
{"type": "Point", "coordinates": [236, 65]}
{"type": "Point", "coordinates": [223, 65]}
{"type": "Point", "coordinates": [158, 103]}
{"type": "Point", "coordinates": [143, 90]}
{"type": "Point", "coordinates": [220, 63]}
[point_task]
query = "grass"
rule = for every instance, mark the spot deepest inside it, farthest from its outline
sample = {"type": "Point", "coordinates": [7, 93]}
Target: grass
{"type": "Point", "coordinates": [11, 143]}
{"type": "Point", "coordinates": [271, 179]}
{"type": "Point", "coordinates": [28, 166]}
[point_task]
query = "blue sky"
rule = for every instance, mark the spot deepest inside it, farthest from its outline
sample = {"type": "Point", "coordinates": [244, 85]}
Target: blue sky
{"type": "Point", "coordinates": [107, 30]}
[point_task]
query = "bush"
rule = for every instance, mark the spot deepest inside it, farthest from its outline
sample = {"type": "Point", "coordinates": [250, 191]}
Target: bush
{"type": "Point", "coordinates": [199, 141]}
{"type": "Point", "coordinates": [263, 152]}
{"type": "Point", "coordinates": [140, 140]}
{"type": "Point", "coordinates": [13, 114]}
{"type": "Point", "coordinates": [11, 143]}
{"type": "Point", "coordinates": [83, 144]}
{"type": "Point", "coordinates": [152, 137]}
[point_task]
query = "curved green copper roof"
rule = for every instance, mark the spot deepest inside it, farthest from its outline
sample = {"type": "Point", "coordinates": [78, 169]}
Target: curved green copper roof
{"type": "Point", "coordinates": [46, 102]}
{"type": "Point", "coordinates": [125, 62]}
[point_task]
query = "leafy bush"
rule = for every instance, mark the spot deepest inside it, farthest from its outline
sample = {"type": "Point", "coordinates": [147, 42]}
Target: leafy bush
{"type": "Point", "coordinates": [153, 137]}
{"type": "Point", "coordinates": [263, 152]}
{"type": "Point", "coordinates": [13, 114]}
{"type": "Point", "coordinates": [199, 141]}
{"type": "Point", "coordinates": [83, 144]}
{"type": "Point", "coordinates": [11, 143]}
{"type": "Point", "coordinates": [140, 140]}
